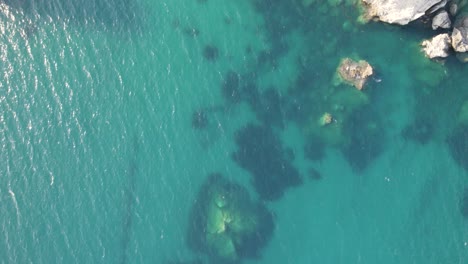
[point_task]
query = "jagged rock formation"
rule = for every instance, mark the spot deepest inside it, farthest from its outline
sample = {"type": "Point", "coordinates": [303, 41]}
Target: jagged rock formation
{"type": "Point", "coordinates": [400, 11]}
{"type": "Point", "coordinates": [441, 20]}
{"type": "Point", "coordinates": [355, 72]}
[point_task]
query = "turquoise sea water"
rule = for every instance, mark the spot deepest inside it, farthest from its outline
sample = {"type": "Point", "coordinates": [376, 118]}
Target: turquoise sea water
{"type": "Point", "coordinates": [100, 161]}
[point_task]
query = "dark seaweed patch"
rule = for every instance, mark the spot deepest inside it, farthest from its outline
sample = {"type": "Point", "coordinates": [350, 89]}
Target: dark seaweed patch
{"type": "Point", "coordinates": [191, 31]}
{"type": "Point", "coordinates": [420, 131]}
{"type": "Point", "coordinates": [260, 152]}
{"type": "Point", "coordinates": [269, 108]}
{"type": "Point", "coordinates": [314, 174]}
{"type": "Point", "coordinates": [464, 204]}
{"type": "Point", "coordinates": [458, 144]}
{"type": "Point", "coordinates": [200, 119]}
{"type": "Point", "coordinates": [267, 105]}
{"type": "Point", "coordinates": [210, 52]}
{"type": "Point", "coordinates": [230, 87]}
{"type": "Point", "coordinates": [314, 149]}
{"type": "Point", "coordinates": [366, 138]}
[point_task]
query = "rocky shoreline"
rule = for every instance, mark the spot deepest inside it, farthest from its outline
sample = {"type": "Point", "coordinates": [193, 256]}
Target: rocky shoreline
{"type": "Point", "coordinates": [440, 13]}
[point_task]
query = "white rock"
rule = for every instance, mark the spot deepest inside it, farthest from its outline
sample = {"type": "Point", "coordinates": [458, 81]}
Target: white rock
{"type": "Point", "coordinates": [460, 39]}
{"type": "Point", "coordinates": [399, 11]}
{"type": "Point", "coordinates": [441, 20]}
{"type": "Point", "coordinates": [437, 47]}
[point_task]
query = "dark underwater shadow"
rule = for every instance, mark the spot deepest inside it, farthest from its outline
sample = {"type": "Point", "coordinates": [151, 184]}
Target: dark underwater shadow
{"type": "Point", "coordinates": [367, 136]}
{"type": "Point", "coordinates": [458, 145]}
{"type": "Point", "coordinates": [464, 204]}
{"type": "Point", "coordinates": [260, 152]}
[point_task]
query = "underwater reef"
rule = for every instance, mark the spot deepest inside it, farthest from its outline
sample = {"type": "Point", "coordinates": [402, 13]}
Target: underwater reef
{"type": "Point", "coordinates": [225, 224]}
{"type": "Point", "coordinates": [260, 152]}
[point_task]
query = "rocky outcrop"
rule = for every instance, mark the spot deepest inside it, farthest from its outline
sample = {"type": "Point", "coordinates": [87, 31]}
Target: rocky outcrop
{"type": "Point", "coordinates": [400, 11]}
{"type": "Point", "coordinates": [404, 11]}
{"type": "Point", "coordinates": [441, 20]}
{"type": "Point", "coordinates": [460, 39]}
{"type": "Point", "coordinates": [460, 34]}
{"type": "Point", "coordinates": [456, 5]}
{"type": "Point", "coordinates": [437, 47]}
{"type": "Point", "coordinates": [355, 72]}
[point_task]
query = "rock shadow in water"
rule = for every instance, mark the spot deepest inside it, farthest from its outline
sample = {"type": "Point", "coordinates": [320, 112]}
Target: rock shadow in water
{"type": "Point", "coordinates": [260, 152]}
{"type": "Point", "coordinates": [226, 225]}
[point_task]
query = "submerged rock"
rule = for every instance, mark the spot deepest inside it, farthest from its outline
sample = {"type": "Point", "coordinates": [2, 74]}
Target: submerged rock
{"type": "Point", "coordinates": [437, 47]}
{"type": "Point", "coordinates": [400, 11]}
{"type": "Point", "coordinates": [355, 72]}
{"type": "Point", "coordinates": [441, 20]}
{"type": "Point", "coordinates": [462, 57]}
{"type": "Point", "coordinates": [325, 119]}
{"type": "Point", "coordinates": [226, 224]}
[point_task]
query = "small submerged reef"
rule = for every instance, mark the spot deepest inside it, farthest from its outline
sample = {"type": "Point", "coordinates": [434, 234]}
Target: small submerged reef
{"type": "Point", "coordinates": [226, 225]}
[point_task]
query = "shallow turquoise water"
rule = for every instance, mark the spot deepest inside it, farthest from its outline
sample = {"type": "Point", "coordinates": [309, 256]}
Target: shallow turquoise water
{"type": "Point", "coordinates": [99, 162]}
